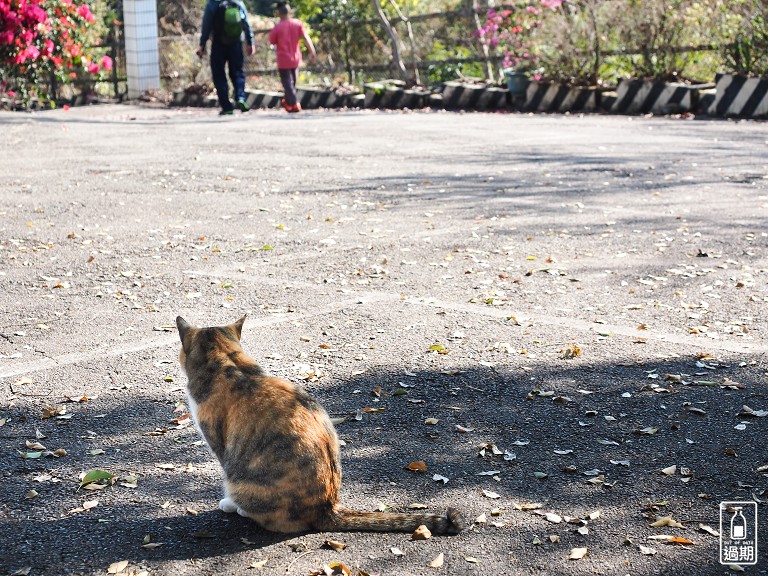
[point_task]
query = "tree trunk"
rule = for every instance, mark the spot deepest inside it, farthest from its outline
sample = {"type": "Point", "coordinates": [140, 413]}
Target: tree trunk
{"type": "Point", "coordinates": [486, 52]}
{"type": "Point", "coordinates": [416, 76]}
{"type": "Point", "coordinates": [394, 38]}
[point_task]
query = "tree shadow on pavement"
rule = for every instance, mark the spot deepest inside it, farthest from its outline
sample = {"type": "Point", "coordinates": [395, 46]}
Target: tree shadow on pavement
{"type": "Point", "coordinates": [600, 432]}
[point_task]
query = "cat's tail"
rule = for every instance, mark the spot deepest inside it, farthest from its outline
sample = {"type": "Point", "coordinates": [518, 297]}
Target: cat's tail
{"type": "Point", "coordinates": [347, 520]}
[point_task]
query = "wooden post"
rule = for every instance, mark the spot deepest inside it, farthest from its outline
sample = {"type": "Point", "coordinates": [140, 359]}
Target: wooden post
{"type": "Point", "coordinates": [347, 63]}
{"type": "Point", "coordinates": [113, 55]}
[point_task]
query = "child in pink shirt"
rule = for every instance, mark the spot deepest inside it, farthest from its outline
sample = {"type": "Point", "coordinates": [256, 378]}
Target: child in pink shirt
{"type": "Point", "coordinates": [285, 38]}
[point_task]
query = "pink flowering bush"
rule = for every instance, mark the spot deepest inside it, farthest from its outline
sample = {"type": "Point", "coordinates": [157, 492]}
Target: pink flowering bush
{"type": "Point", "coordinates": [41, 38]}
{"type": "Point", "coordinates": [509, 33]}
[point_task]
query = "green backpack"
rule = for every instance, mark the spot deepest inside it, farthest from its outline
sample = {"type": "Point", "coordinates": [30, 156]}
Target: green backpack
{"type": "Point", "coordinates": [228, 22]}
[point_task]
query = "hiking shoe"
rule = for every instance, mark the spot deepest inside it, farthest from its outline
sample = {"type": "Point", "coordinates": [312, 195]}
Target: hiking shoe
{"type": "Point", "coordinates": [284, 105]}
{"type": "Point", "coordinates": [243, 106]}
{"type": "Point", "coordinates": [226, 113]}
{"type": "Point", "coordinates": [295, 108]}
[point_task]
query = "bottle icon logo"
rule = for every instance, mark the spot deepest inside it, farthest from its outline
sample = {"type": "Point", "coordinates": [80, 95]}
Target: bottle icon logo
{"type": "Point", "coordinates": [738, 533]}
{"type": "Point", "coordinates": [738, 525]}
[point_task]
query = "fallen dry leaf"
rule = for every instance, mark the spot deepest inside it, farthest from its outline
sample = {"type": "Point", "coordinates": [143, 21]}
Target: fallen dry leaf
{"type": "Point", "coordinates": [130, 482]}
{"type": "Point", "coordinates": [709, 530]}
{"type": "Point", "coordinates": [667, 521]}
{"type": "Point", "coordinates": [417, 466]}
{"type": "Point", "coordinates": [334, 545]}
{"type": "Point", "coordinates": [572, 351]}
{"type": "Point", "coordinates": [50, 412]}
{"type": "Point", "coordinates": [680, 540]}
{"type": "Point", "coordinates": [117, 567]}
{"type": "Point", "coordinates": [577, 553]}
{"type": "Point", "coordinates": [421, 533]}
{"type": "Point", "coordinates": [438, 561]}
{"type": "Point", "coordinates": [747, 411]}
{"type": "Point", "coordinates": [528, 505]}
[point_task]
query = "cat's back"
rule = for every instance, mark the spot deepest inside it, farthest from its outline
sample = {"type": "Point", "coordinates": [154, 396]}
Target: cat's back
{"type": "Point", "coordinates": [240, 408]}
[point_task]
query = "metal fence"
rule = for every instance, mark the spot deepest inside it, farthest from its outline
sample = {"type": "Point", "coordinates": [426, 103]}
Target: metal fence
{"type": "Point", "coordinates": [349, 51]}
{"type": "Point", "coordinates": [434, 47]}
{"type": "Point", "coordinates": [112, 85]}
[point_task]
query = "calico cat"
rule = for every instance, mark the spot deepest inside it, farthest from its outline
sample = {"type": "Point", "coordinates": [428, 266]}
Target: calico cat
{"type": "Point", "coordinates": [276, 444]}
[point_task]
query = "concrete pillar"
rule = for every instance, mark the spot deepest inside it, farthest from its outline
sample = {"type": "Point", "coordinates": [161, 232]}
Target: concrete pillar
{"type": "Point", "coordinates": [141, 53]}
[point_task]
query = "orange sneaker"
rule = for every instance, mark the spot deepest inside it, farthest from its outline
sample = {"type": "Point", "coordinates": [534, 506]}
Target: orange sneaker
{"type": "Point", "coordinates": [295, 108]}
{"type": "Point", "coordinates": [285, 105]}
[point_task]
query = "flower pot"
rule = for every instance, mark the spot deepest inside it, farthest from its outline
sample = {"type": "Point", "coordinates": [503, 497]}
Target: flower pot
{"type": "Point", "coordinates": [517, 83]}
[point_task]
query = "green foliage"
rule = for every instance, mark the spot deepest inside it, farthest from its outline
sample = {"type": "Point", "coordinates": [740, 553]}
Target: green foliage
{"type": "Point", "coordinates": [585, 42]}
{"type": "Point", "coordinates": [652, 29]}
{"type": "Point", "coordinates": [438, 73]}
{"type": "Point", "coordinates": [571, 39]}
{"type": "Point", "coordinates": [177, 16]}
{"type": "Point", "coordinates": [744, 38]}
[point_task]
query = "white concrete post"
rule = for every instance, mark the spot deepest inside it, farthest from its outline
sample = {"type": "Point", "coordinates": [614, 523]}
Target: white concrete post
{"type": "Point", "coordinates": [141, 53]}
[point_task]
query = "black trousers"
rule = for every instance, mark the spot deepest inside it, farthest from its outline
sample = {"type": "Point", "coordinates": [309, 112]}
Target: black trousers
{"type": "Point", "coordinates": [288, 78]}
{"type": "Point", "coordinates": [221, 55]}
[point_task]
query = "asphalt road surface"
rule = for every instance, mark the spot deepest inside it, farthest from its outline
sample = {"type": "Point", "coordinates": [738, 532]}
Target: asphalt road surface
{"type": "Point", "coordinates": [563, 317]}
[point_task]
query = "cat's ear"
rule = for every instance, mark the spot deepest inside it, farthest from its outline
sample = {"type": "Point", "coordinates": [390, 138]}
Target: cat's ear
{"type": "Point", "coordinates": [238, 326]}
{"type": "Point", "coordinates": [183, 327]}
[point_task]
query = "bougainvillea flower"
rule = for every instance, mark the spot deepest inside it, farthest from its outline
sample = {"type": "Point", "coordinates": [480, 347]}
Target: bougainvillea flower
{"type": "Point", "coordinates": [85, 12]}
{"type": "Point", "coordinates": [44, 38]}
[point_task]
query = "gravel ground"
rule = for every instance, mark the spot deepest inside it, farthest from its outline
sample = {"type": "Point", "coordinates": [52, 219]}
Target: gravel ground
{"type": "Point", "coordinates": [546, 310]}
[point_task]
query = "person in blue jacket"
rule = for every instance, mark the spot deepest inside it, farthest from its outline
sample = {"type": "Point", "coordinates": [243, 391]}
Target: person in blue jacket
{"type": "Point", "coordinates": [226, 22]}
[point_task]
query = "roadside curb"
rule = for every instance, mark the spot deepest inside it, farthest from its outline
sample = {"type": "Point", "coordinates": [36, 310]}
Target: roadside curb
{"type": "Point", "coordinates": [731, 96]}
